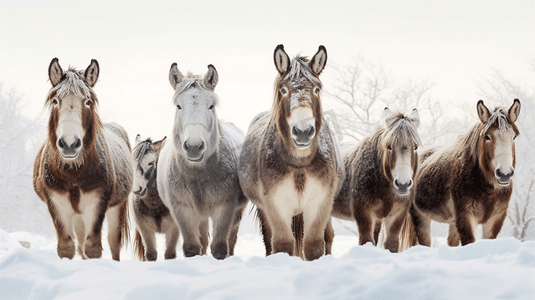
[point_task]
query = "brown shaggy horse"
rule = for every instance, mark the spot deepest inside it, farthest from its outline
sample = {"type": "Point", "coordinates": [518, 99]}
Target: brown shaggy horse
{"type": "Point", "coordinates": [150, 214]}
{"type": "Point", "coordinates": [83, 171]}
{"type": "Point", "coordinates": [470, 182]}
{"type": "Point", "coordinates": [379, 179]}
{"type": "Point", "coordinates": [290, 163]}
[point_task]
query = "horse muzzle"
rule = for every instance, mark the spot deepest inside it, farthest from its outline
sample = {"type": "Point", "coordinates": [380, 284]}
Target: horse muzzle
{"type": "Point", "coordinates": [504, 179]}
{"type": "Point", "coordinates": [303, 138]}
{"type": "Point", "coordinates": [69, 150]}
{"type": "Point", "coordinates": [402, 189]}
{"type": "Point", "coordinates": [194, 153]}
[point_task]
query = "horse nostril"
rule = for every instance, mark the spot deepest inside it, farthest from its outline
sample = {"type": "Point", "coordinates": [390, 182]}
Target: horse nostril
{"type": "Point", "coordinates": [396, 182]}
{"type": "Point", "coordinates": [61, 143]}
{"type": "Point", "coordinates": [186, 146]}
{"type": "Point", "coordinates": [294, 131]}
{"type": "Point", "coordinates": [78, 143]}
{"type": "Point", "coordinates": [311, 131]}
{"type": "Point", "coordinates": [201, 147]}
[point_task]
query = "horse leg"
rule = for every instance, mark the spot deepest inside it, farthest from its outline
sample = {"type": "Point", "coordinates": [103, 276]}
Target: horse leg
{"type": "Point", "coordinates": [117, 224]}
{"type": "Point", "coordinates": [223, 218]}
{"type": "Point", "coordinates": [265, 229]}
{"type": "Point", "coordinates": [62, 216]}
{"type": "Point", "coordinates": [466, 225]}
{"type": "Point", "coordinates": [453, 235]}
{"type": "Point", "coordinates": [148, 237]}
{"type": "Point", "coordinates": [422, 226]}
{"type": "Point", "coordinates": [79, 229]}
{"type": "Point", "coordinates": [365, 222]}
{"type": "Point", "coordinates": [376, 231]}
{"type": "Point", "coordinates": [329, 237]}
{"type": "Point", "coordinates": [315, 221]}
{"type": "Point", "coordinates": [189, 223]}
{"type": "Point", "coordinates": [171, 239]}
{"type": "Point", "coordinates": [279, 221]}
{"type": "Point", "coordinates": [393, 226]}
{"type": "Point", "coordinates": [204, 229]}
{"type": "Point", "coordinates": [493, 226]}
{"type": "Point", "coordinates": [233, 238]}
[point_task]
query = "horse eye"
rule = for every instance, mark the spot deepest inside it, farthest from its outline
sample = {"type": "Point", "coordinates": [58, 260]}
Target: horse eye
{"type": "Point", "coordinates": [284, 91]}
{"type": "Point", "coordinates": [514, 137]}
{"type": "Point", "coordinates": [415, 148]}
{"type": "Point", "coordinates": [317, 90]}
{"type": "Point", "coordinates": [178, 106]}
{"type": "Point", "coordinates": [211, 107]}
{"type": "Point", "coordinates": [151, 164]}
{"type": "Point", "coordinates": [88, 102]}
{"type": "Point", "coordinates": [389, 147]}
{"type": "Point", "coordinates": [55, 102]}
{"type": "Point", "coordinates": [487, 138]}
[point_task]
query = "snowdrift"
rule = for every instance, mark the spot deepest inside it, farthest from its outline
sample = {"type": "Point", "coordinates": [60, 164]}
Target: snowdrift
{"type": "Point", "coordinates": [487, 269]}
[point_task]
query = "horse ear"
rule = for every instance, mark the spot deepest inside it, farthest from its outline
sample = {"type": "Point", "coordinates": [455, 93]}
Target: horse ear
{"type": "Point", "coordinates": [211, 78]}
{"type": "Point", "coordinates": [514, 111]}
{"type": "Point", "coordinates": [482, 111]}
{"type": "Point", "coordinates": [319, 60]}
{"type": "Point", "coordinates": [175, 77]}
{"type": "Point", "coordinates": [138, 139]}
{"type": "Point", "coordinates": [387, 114]}
{"type": "Point", "coordinates": [415, 116]}
{"type": "Point", "coordinates": [282, 60]}
{"type": "Point", "coordinates": [159, 144]}
{"type": "Point", "coordinates": [91, 73]}
{"type": "Point", "coordinates": [55, 72]}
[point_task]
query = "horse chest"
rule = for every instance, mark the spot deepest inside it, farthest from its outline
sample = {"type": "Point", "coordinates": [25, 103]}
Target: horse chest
{"type": "Point", "coordinates": [75, 201]}
{"type": "Point", "coordinates": [298, 192]}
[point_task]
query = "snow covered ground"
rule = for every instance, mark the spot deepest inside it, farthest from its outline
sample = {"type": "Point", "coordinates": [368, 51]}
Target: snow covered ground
{"type": "Point", "coordinates": [497, 269]}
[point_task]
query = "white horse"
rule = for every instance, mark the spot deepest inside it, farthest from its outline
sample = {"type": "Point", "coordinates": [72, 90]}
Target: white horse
{"type": "Point", "coordinates": [198, 167]}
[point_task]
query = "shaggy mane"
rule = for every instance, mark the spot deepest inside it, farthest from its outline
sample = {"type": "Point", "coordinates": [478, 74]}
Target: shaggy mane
{"type": "Point", "coordinates": [73, 81]}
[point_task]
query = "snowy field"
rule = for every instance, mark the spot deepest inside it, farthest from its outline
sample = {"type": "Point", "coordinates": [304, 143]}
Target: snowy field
{"type": "Point", "coordinates": [497, 269]}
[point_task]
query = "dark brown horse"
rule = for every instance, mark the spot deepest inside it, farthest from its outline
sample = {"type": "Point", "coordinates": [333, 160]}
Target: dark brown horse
{"type": "Point", "coordinates": [149, 212]}
{"type": "Point", "coordinates": [83, 171]}
{"type": "Point", "coordinates": [379, 179]}
{"type": "Point", "coordinates": [290, 163]}
{"type": "Point", "coordinates": [470, 182]}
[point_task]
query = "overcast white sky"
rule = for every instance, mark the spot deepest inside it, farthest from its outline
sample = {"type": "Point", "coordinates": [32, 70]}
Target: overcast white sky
{"type": "Point", "coordinates": [453, 42]}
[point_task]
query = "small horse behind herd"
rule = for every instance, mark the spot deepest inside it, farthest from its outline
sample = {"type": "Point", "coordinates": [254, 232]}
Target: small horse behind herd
{"type": "Point", "coordinates": [288, 164]}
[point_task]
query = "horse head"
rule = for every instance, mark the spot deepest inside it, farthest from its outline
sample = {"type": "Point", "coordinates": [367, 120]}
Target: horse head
{"type": "Point", "coordinates": [496, 142]}
{"type": "Point", "coordinates": [400, 145]}
{"type": "Point", "coordinates": [297, 100]}
{"type": "Point", "coordinates": [145, 153]}
{"type": "Point", "coordinates": [196, 128]}
{"type": "Point", "coordinates": [73, 122]}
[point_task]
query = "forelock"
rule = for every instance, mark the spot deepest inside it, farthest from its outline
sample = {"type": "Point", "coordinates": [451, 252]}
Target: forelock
{"type": "Point", "coordinates": [498, 119]}
{"type": "Point", "coordinates": [402, 130]}
{"type": "Point", "coordinates": [301, 71]}
{"type": "Point", "coordinates": [142, 149]}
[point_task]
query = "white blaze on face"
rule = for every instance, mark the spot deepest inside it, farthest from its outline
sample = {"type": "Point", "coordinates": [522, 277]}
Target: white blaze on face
{"type": "Point", "coordinates": [503, 152]}
{"type": "Point", "coordinates": [302, 128]}
{"type": "Point", "coordinates": [402, 172]}
{"type": "Point", "coordinates": [302, 118]}
{"type": "Point", "coordinates": [70, 120]}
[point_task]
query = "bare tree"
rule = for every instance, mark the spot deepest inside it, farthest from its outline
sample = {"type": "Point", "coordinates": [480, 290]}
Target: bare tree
{"type": "Point", "coordinates": [363, 88]}
{"type": "Point", "coordinates": [20, 209]}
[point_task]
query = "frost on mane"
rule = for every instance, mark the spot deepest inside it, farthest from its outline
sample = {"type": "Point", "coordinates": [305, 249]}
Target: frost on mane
{"type": "Point", "coordinates": [73, 83]}
{"type": "Point", "coordinates": [499, 116]}
{"type": "Point", "coordinates": [299, 76]}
